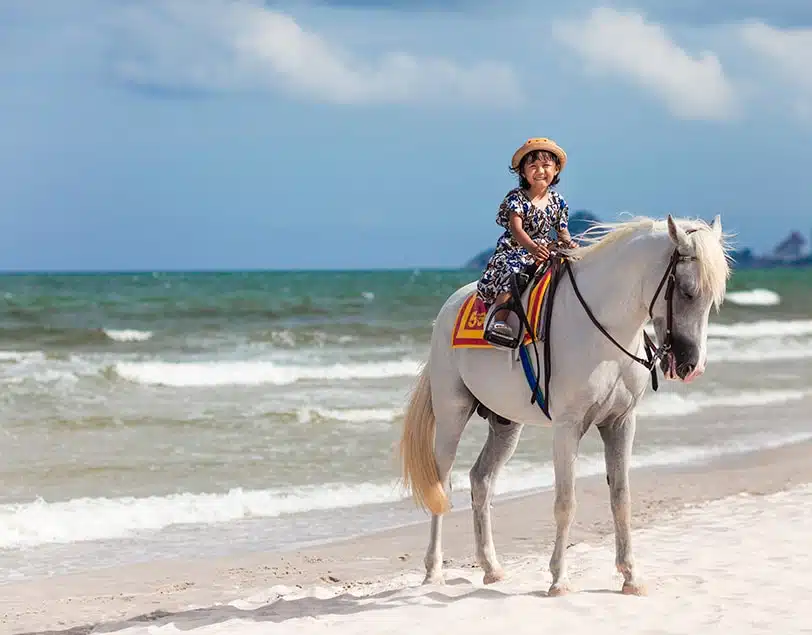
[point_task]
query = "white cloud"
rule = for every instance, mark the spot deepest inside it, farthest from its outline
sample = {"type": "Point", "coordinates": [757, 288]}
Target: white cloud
{"type": "Point", "coordinates": [623, 44]}
{"type": "Point", "coordinates": [214, 45]}
{"type": "Point", "coordinates": [788, 54]}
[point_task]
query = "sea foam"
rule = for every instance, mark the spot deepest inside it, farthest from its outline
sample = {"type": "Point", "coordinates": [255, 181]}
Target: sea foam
{"type": "Point", "coordinates": [251, 373]}
{"type": "Point", "coordinates": [753, 297]}
{"type": "Point", "coordinates": [26, 525]}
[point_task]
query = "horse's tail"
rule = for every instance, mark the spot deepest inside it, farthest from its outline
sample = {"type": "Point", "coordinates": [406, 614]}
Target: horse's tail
{"type": "Point", "coordinates": [418, 464]}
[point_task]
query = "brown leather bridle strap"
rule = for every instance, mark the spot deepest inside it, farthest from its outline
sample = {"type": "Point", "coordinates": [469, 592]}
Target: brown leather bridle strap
{"type": "Point", "coordinates": [653, 354]}
{"type": "Point", "coordinates": [647, 363]}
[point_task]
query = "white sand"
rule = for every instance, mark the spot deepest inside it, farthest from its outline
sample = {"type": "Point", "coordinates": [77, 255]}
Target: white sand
{"type": "Point", "coordinates": [741, 563]}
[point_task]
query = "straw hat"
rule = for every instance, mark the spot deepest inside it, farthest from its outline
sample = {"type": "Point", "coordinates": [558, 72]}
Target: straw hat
{"type": "Point", "coordinates": [539, 143]}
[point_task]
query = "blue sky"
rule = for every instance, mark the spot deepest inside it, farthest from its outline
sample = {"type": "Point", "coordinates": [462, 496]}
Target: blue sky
{"type": "Point", "coordinates": [220, 134]}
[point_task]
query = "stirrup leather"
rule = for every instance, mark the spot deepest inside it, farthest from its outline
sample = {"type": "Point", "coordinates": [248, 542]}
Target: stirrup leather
{"type": "Point", "coordinates": [514, 305]}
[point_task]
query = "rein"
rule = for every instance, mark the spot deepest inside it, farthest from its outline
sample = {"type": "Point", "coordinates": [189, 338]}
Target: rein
{"type": "Point", "coordinates": [653, 354]}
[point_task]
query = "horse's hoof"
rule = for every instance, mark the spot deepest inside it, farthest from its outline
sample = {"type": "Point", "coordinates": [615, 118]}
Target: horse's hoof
{"type": "Point", "coordinates": [630, 588]}
{"type": "Point", "coordinates": [434, 578]}
{"type": "Point", "coordinates": [557, 590]}
{"type": "Point", "coordinates": [497, 575]}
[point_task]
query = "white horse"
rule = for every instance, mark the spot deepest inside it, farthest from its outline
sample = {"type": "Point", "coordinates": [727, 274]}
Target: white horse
{"type": "Point", "coordinates": [620, 276]}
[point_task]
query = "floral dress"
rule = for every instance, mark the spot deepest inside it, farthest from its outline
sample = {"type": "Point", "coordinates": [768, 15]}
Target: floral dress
{"type": "Point", "coordinates": [509, 256]}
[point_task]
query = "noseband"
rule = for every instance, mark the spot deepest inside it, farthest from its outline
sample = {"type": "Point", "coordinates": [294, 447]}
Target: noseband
{"type": "Point", "coordinates": [653, 354]}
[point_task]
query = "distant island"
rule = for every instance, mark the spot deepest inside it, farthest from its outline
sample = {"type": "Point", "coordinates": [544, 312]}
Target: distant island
{"type": "Point", "coordinates": [790, 252]}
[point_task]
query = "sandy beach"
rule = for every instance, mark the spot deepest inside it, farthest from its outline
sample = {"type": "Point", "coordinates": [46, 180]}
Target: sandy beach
{"type": "Point", "coordinates": [725, 543]}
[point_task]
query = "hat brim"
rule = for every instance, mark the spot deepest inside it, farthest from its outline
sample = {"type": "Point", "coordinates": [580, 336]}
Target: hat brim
{"type": "Point", "coordinates": [539, 144]}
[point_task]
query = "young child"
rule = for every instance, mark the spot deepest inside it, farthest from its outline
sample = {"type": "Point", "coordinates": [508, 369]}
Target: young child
{"type": "Point", "coordinates": [528, 213]}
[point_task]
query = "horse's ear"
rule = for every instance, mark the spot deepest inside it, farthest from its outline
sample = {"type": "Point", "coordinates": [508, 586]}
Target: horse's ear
{"type": "Point", "coordinates": [678, 234]}
{"type": "Point", "coordinates": [716, 227]}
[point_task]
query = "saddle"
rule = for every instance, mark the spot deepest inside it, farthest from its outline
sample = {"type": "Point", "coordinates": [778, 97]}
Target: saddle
{"type": "Point", "coordinates": [472, 326]}
{"type": "Point", "coordinates": [529, 318]}
{"type": "Point", "coordinates": [519, 310]}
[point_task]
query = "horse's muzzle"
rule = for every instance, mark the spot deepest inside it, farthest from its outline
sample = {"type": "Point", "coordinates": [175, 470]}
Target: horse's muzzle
{"type": "Point", "coordinates": [682, 362]}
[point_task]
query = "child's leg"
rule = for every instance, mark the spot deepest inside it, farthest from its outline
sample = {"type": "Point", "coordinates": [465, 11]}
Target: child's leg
{"type": "Point", "coordinates": [502, 314]}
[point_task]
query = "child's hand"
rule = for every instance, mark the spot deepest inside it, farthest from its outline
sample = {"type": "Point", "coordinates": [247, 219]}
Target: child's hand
{"type": "Point", "coordinates": [540, 252]}
{"type": "Point", "coordinates": [565, 243]}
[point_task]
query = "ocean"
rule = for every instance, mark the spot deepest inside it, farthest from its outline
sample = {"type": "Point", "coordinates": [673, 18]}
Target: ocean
{"type": "Point", "coordinates": [160, 415]}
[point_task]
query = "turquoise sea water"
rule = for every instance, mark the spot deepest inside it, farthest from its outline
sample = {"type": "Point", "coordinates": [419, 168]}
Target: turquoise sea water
{"type": "Point", "coordinates": [148, 414]}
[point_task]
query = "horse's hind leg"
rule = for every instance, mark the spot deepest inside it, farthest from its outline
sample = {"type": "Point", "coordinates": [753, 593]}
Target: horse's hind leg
{"type": "Point", "coordinates": [499, 447]}
{"type": "Point", "coordinates": [453, 408]}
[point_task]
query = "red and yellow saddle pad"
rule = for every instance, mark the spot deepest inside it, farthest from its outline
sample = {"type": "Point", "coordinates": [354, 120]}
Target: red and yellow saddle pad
{"type": "Point", "coordinates": [467, 331]}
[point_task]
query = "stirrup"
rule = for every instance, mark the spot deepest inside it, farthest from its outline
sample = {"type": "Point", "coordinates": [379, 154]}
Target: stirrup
{"type": "Point", "coordinates": [518, 284]}
{"type": "Point", "coordinates": [501, 333]}
{"type": "Point", "coordinates": [498, 339]}
{"type": "Point", "coordinates": [504, 327]}
{"type": "Point", "coordinates": [496, 336]}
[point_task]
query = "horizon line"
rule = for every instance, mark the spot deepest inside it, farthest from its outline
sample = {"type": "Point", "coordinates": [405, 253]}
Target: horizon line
{"type": "Point", "coordinates": [49, 272]}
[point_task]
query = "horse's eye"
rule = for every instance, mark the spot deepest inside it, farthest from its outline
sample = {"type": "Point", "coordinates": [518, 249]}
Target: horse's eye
{"type": "Point", "coordinates": [687, 294]}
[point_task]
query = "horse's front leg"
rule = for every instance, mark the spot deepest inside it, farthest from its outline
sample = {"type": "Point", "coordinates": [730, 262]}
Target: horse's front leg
{"type": "Point", "coordinates": [565, 451]}
{"type": "Point", "coordinates": [617, 442]}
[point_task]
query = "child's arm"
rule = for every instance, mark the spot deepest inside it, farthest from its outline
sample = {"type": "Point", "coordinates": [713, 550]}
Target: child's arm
{"type": "Point", "coordinates": [562, 230]}
{"type": "Point", "coordinates": [564, 237]}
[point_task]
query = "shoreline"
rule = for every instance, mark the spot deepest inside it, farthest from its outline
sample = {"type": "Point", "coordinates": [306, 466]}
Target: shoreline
{"type": "Point", "coordinates": [523, 526]}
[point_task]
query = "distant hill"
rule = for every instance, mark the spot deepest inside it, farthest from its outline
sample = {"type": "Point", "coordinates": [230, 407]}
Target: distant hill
{"type": "Point", "coordinates": [579, 222]}
{"type": "Point", "coordinates": [582, 220]}
{"type": "Point", "coordinates": [790, 253]}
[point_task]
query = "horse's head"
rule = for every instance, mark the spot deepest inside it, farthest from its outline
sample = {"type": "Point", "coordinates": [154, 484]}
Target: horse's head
{"type": "Point", "coordinates": [698, 279]}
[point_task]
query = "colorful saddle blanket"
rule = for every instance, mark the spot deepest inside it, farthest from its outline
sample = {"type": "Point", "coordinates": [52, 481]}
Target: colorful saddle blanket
{"type": "Point", "coordinates": [470, 322]}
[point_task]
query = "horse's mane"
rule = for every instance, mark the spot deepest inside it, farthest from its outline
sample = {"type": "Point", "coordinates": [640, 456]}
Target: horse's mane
{"type": "Point", "coordinates": [713, 256]}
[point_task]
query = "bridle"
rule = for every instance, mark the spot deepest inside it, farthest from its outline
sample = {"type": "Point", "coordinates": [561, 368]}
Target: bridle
{"type": "Point", "coordinates": [653, 353]}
